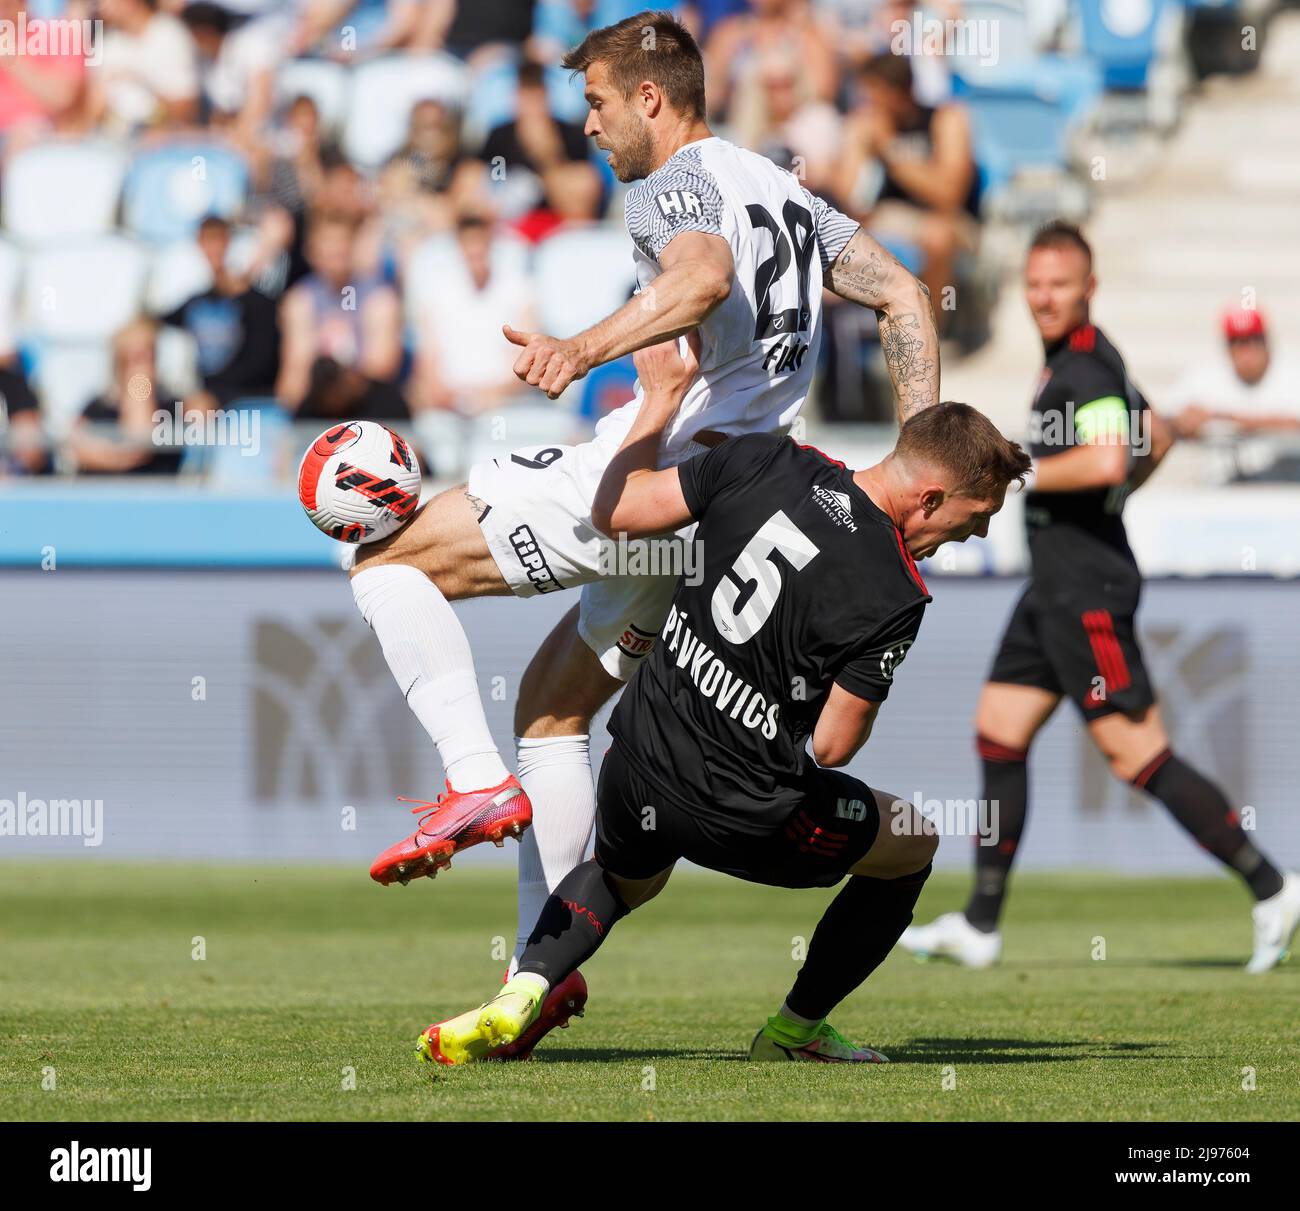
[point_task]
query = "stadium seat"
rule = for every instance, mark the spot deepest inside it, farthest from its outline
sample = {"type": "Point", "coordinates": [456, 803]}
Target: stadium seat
{"type": "Point", "coordinates": [170, 189]}
{"type": "Point", "coordinates": [492, 97]}
{"type": "Point", "coordinates": [176, 273]}
{"type": "Point", "coordinates": [67, 375]}
{"type": "Point", "coordinates": [1121, 38]}
{"type": "Point", "coordinates": [59, 190]}
{"type": "Point", "coordinates": [383, 93]}
{"type": "Point", "coordinates": [83, 291]}
{"type": "Point", "coordinates": [1023, 122]}
{"type": "Point", "coordinates": [326, 83]}
{"type": "Point", "coordinates": [598, 257]}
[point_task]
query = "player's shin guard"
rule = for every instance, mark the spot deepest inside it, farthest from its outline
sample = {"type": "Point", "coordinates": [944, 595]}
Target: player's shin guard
{"type": "Point", "coordinates": [857, 931]}
{"type": "Point", "coordinates": [575, 921]}
{"type": "Point", "coordinates": [1201, 808]}
{"type": "Point", "coordinates": [1006, 791]}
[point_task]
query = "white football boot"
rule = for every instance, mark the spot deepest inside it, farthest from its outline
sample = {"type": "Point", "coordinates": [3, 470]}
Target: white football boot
{"type": "Point", "coordinates": [951, 936]}
{"type": "Point", "coordinates": [1276, 920]}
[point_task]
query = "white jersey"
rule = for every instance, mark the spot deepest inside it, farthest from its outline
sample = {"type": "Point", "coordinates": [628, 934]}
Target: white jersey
{"type": "Point", "coordinates": [758, 348]}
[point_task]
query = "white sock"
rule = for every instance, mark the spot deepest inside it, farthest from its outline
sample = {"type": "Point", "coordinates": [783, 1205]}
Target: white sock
{"type": "Point", "coordinates": [556, 773]}
{"type": "Point", "coordinates": [427, 650]}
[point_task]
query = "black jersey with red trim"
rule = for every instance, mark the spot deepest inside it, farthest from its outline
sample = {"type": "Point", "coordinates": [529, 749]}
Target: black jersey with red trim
{"type": "Point", "coordinates": [1084, 395]}
{"type": "Point", "coordinates": [800, 582]}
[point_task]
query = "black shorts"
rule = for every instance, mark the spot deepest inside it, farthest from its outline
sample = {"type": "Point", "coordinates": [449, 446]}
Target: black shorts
{"type": "Point", "coordinates": [639, 832]}
{"type": "Point", "coordinates": [1083, 647]}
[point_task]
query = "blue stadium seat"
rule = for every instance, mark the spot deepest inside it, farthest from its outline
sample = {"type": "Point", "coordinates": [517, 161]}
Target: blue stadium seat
{"type": "Point", "coordinates": [1122, 39]}
{"type": "Point", "coordinates": [1023, 115]}
{"type": "Point", "coordinates": [58, 190]}
{"type": "Point", "coordinates": [492, 97]}
{"type": "Point", "coordinates": [170, 189]}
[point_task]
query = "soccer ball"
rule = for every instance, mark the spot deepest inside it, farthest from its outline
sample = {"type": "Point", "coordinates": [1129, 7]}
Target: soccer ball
{"type": "Point", "coordinates": [359, 482]}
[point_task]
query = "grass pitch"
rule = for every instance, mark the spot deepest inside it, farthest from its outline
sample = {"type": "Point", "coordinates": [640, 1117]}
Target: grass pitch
{"type": "Point", "coordinates": [315, 983]}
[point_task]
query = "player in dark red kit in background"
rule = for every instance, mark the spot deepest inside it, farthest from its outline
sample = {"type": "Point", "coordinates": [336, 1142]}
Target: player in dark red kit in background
{"type": "Point", "coordinates": [1072, 633]}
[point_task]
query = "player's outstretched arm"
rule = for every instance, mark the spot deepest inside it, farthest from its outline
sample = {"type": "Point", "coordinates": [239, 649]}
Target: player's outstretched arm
{"type": "Point", "coordinates": [866, 273]}
{"type": "Point", "coordinates": [696, 278]}
{"type": "Point", "coordinates": [633, 498]}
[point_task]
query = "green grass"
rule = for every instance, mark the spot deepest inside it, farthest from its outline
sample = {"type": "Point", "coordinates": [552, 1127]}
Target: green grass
{"type": "Point", "coordinates": [311, 972]}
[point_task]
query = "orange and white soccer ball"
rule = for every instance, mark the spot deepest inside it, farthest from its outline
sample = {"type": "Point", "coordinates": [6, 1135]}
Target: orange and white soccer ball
{"type": "Point", "coordinates": [359, 481]}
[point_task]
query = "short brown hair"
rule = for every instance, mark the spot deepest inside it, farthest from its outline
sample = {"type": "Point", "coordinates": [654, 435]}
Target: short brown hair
{"type": "Point", "coordinates": [1060, 234]}
{"type": "Point", "coordinates": [961, 439]}
{"type": "Point", "coordinates": [649, 46]}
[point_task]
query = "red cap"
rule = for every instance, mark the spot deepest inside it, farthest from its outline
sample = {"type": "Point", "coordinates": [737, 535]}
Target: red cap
{"type": "Point", "coordinates": [1242, 322]}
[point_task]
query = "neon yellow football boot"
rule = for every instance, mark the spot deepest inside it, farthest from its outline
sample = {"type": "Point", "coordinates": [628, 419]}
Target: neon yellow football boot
{"type": "Point", "coordinates": [471, 1035]}
{"type": "Point", "coordinates": [781, 1039]}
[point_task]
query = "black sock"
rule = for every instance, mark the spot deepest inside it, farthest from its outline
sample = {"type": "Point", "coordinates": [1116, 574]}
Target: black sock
{"type": "Point", "coordinates": [856, 932]}
{"type": "Point", "coordinates": [1006, 791]}
{"type": "Point", "coordinates": [573, 923]}
{"type": "Point", "coordinates": [1201, 808]}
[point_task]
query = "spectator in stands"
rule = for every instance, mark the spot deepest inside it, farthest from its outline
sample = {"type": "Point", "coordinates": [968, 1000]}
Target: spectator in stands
{"type": "Point", "coordinates": [464, 363]}
{"type": "Point", "coordinates": [735, 48]}
{"type": "Point", "coordinates": [350, 30]}
{"type": "Point", "coordinates": [425, 183]}
{"type": "Point", "coordinates": [778, 117]}
{"type": "Point", "coordinates": [543, 162]}
{"type": "Point", "coordinates": [237, 64]}
{"type": "Point", "coordinates": [149, 73]}
{"type": "Point", "coordinates": [929, 195]}
{"type": "Point", "coordinates": [1245, 386]}
{"type": "Point", "coordinates": [37, 92]}
{"type": "Point", "coordinates": [341, 351]}
{"type": "Point", "coordinates": [234, 327]}
{"type": "Point", "coordinates": [21, 428]}
{"type": "Point", "coordinates": [115, 433]}
{"type": "Point", "coordinates": [483, 30]}
{"type": "Point", "coordinates": [288, 169]}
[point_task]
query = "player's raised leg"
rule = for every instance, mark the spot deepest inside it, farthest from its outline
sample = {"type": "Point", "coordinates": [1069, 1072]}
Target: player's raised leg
{"type": "Point", "coordinates": [403, 587]}
{"type": "Point", "coordinates": [858, 929]}
{"type": "Point", "coordinates": [1136, 746]}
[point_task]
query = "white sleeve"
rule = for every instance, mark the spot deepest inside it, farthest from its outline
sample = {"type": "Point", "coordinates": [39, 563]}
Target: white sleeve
{"type": "Point", "coordinates": [679, 197]}
{"type": "Point", "coordinates": [834, 229]}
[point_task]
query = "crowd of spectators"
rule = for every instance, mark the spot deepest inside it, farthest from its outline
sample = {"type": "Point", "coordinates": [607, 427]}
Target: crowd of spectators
{"type": "Point", "coordinates": [320, 294]}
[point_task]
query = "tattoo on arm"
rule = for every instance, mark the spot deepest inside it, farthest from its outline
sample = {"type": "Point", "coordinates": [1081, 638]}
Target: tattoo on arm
{"type": "Point", "coordinates": [480, 508]}
{"type": "Point", "coordinates": [867, 274]}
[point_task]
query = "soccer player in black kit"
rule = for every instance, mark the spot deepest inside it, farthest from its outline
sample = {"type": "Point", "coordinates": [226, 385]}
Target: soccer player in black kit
{"type": "Point", "coordinates": [1072, 633]}
{"type": "Point", "coordinates": [808, 599]}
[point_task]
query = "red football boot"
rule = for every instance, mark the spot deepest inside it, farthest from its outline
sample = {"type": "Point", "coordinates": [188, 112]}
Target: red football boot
{"type": "Point", "coordinates": [454, 821]}
{"type": "Point", "coordinates": [568, 999]}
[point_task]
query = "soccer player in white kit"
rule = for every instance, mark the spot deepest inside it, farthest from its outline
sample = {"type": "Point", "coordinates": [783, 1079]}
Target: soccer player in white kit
{"type": "Point", "coordinates": [730, 249]}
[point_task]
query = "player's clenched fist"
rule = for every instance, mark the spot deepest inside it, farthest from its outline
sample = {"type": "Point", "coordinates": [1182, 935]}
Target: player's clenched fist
{"type": "Point", "coordinates": [547, 361]}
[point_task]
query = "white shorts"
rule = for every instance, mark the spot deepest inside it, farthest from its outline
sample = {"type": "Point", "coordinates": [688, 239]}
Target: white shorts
{"type": "Point", "coordinates": [538, 528]}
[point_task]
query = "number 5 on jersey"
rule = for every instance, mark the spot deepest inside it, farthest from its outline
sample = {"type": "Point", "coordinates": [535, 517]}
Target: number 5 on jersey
{"type": "Point", "coordinates": [746, 595]}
